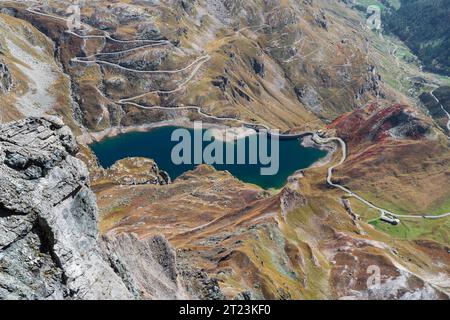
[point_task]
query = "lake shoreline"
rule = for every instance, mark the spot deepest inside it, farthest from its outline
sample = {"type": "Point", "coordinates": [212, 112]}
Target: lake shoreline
{"type": "Point", "coordinates": [308, 142]}
{"type": "Point", "coordinates": [88, 138]}
{"type": "Point", "coordinates": [295, 153]}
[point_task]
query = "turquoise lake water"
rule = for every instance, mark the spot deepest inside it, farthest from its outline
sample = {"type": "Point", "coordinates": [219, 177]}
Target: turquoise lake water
{"type": "Point", "coordinates": [157, 145]}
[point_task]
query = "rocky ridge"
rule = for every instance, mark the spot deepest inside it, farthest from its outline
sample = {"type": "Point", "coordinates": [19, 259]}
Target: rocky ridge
{"type": "Point", "coordinates": [302, 244]}
{"type": "Point", "coordinates": [49, 244]}
{"type": "Point", "coordinates": [130, 171]}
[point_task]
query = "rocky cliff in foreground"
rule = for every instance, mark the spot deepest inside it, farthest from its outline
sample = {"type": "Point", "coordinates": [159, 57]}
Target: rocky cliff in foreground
{"type": "Point", "coordinates": [49, 242]}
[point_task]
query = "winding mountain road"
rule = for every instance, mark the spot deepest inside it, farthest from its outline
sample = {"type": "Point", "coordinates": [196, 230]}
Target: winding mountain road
{"type": "Point", "coordinates": [97, 61]}
{"type": "Point", "coordinates": [331, 169]}
{"type": "Point", "coordinates": [106, 34]}
{"type": "Point", "coordinates": [199, 62]}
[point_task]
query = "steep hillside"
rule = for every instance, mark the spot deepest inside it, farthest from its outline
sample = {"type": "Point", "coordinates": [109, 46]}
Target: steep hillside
{"type": "Point", "coordinates": [421, 25]}
{"type": "Point", "coordinates": [396, 158]}
{"type": "Point", "coordinates": [293, 64]}
{"type": "Point", "coordinates": [33, 82]}
{"type": "Point", "coordinates": [437, 103]}
{"type": "Point", "coordinates": [49, 243]}
{"type": "Point", "coordinates": [299, 244]}
{"type": "Point", "coordinates": [296, 65]}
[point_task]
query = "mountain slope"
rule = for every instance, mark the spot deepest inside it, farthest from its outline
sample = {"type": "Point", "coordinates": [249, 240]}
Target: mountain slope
{"type": "Point", "coordinates": [299, 244]}
{"type": "Point", "coordinates": [35, 81]}
{"type": "Point", "coordinates": [420, 24]}
{"type": "Point", "coordinates": [49, 244]}
{"type": "Point", "coordinates": [293, 65]}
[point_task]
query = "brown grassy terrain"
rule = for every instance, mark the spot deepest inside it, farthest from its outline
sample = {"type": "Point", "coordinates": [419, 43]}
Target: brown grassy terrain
{"type": "Point", "coordinates": [241, 235]}
{"type": "Point", "coordinates": [397, 158]}
{"type": "Point", "coordinates": [303, 69]}
{"type": "Point", "coordinates": [18, 40]}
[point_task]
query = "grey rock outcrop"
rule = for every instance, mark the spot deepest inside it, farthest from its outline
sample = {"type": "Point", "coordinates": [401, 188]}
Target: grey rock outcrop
{"type": "Point", "coordinates": [309, 97]}
{"type": "Point", "coordinates": [321, 20]}
{"type": "Point", "coordinates": [6, 81]}
{"type": "Point", "coordinates": [371, 85]}
{"type": "Point", "coordinates": [49, 240]}
{"type": "Point", "coordinates": [291, 199]}
{"type": "Point", "coordinates": [258, 67]}
{"type": "Point", "coordinates": [131, 172]}
{"type": "Point", "coordinates": [147, 267]}
{"type": "Point", "coordinates": [48, 218]}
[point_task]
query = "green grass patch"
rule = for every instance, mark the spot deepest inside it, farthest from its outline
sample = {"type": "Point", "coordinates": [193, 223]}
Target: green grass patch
{"type": "Point", "coordinates": [408, 229]}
